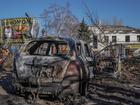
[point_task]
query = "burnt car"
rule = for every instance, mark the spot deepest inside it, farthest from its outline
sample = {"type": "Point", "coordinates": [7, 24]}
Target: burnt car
{"type": "Point", "coordinates": [52, 66]}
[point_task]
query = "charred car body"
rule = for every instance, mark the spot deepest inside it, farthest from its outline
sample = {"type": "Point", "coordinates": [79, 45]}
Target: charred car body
{"type": "Point", "coordinates": [52, 66]}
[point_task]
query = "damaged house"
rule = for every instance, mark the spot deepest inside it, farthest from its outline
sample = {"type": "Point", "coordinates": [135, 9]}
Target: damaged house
{"type": "Point", "coordinates": [125, 40]}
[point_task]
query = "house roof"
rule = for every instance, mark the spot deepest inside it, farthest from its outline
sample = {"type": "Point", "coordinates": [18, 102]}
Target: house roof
{"type": "Point", "coordinates": [118, 29]}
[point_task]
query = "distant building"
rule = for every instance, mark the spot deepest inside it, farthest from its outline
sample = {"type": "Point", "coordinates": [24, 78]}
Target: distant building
{"type": "Point", "coordinates": [126, 39]}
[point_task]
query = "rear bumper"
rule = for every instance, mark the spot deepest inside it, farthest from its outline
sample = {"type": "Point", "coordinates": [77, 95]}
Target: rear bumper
{"type": "Point", "coordinates": [52, 89]}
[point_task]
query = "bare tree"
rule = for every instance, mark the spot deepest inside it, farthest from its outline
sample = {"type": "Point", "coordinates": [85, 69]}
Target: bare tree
{"type": "Point", "coordinates": [94, 19]}
{"type": "Point", "coordinates": [59, 20]}
{"type": "Point", "coordinates": [84, 32]}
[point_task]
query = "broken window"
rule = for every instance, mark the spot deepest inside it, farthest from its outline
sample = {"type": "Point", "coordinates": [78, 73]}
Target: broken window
{"type": "Point", "coordinates": [48, 48]}
{"type": "Point", "coordinates": [42, 49]}
{"type": "Point", "coordinates": [114, 39]}
{"type": "Point", "coordinates": [138, 38]}
{"type": "Point", "coordinates": [107, 39]}
{"type": "Point", "coordinates": [63, 49]}
{"type": "Point", "coordinates": [127, 38]}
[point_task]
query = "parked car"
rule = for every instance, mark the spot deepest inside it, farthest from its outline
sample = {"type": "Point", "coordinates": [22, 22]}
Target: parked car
{"type": "Point", "coordinates": [53, 67]}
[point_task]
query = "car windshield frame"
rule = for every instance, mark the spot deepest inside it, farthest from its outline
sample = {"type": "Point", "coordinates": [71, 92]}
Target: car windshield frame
{"type": "Point", "coordinates": [31, 48]}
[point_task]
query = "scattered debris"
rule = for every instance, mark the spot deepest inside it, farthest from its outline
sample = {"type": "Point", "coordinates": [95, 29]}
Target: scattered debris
{"type": "Point", "coordinates": [2, 91]}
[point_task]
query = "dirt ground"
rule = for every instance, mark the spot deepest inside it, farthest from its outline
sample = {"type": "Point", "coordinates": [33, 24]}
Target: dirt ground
{"type": "Point", "coordinates": [8, 97]}
{"type": "Point", "coordinates": [103, 89]}
{"type": "Point", "coordinates": [131, 71]}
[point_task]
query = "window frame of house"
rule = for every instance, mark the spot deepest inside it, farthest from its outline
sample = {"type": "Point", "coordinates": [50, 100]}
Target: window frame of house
{"type": "Point", "coordinates": [107, 39]}
{"type": "Point", "coordinates": [114, 38]}
{"type": "Point", "coordinates": [138, 38]}
{"type": "Point", "coordinates": [127, 38]}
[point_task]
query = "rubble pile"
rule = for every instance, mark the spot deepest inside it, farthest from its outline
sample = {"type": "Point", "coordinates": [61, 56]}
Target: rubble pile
{"type": "Point", "coordinates": [12, 100]}
{"type": "Point", "coordinates": [131, 71]}
{"type": "Point", "coordinates": [2, 91]}
{"type": "Point", "coordinates": [107, 90]}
